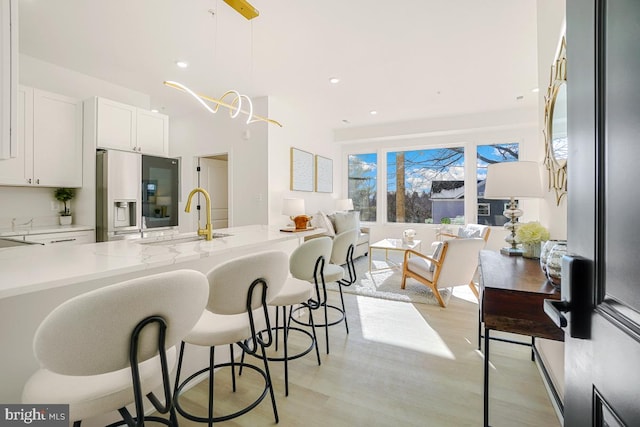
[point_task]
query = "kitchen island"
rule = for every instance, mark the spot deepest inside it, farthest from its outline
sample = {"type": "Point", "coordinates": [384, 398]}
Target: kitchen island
{"type": "Point", "coordinates": [36, 279]}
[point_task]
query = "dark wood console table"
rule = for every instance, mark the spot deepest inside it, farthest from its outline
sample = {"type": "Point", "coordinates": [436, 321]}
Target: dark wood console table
{"type": "Point", "coordinates": [512, 291]}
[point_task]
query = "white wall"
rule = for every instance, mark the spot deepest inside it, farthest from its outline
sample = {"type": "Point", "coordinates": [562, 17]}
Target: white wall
{"type": "Point", "coordinates": [303, 132]}
{"type": "Point", "coordinates": [205, 134]}
{"type": "Point", "coordinates": [551, 27]}
{"type": "Point", "coordinates": [50, 77]}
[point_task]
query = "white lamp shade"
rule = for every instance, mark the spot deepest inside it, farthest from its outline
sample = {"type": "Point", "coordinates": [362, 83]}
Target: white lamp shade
{"type": "Point", "coordinates": [293, 207]}
{"type": "Point", "coordinates": [513, 179]}
{"type": "Point", "coordinates": [344, 205]}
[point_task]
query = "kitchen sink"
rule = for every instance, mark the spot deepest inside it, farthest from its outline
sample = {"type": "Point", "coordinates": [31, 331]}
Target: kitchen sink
{"type": "Point", "coordinates": [184, 239]}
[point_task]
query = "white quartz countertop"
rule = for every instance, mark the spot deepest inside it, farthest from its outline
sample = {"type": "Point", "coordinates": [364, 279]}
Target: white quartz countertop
{"type": "Point", "coordinates": [32, 268]}
{"type": "Point", "coordinates": [25, 231]}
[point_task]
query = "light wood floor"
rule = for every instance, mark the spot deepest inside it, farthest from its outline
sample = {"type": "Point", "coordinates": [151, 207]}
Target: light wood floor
{"type": "Point", "coordinates": [400, 365]}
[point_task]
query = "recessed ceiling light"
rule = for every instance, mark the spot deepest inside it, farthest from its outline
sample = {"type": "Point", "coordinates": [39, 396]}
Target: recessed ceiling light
{"type": "Point", "coordinates": [535, 90]}
{"type": "Point", "coordinates": [334, 80]}
{"type": "Point", "coordinates": [373, 112]}
{"type": "Point", "coordinates": [155, 110]}
{"type": "Point", "coordinates": [182, 64]}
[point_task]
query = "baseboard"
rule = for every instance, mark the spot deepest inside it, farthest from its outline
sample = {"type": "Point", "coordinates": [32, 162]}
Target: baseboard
{"type": "Point", "coordinates": [554, 396]}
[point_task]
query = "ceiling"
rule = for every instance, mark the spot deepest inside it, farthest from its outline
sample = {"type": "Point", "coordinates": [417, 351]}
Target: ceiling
{"type": "Point", "coordinates": [407, 59]}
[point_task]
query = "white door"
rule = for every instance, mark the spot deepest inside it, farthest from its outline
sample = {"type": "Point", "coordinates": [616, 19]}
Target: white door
{"type": "Point", "coordinates": [214, 179]}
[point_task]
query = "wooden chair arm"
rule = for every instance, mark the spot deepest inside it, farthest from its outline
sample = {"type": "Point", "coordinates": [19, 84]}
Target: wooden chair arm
{"type": "Point", "coordinates": [455, 236]}
{"type": "Point", "coordinates": [419, 254]}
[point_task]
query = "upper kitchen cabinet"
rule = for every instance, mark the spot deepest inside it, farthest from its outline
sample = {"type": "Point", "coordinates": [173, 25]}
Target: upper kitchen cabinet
{"type": "Point", "coordinates": [8, 77]}
{"type": "Point", "coordinates": [152, 133]}
{"type": "Point", "coordinates": [116, 125]}
{"type": "Point", "coordinates": [49, 141]}
{"type": "Point", "coordinates": [124, 127]}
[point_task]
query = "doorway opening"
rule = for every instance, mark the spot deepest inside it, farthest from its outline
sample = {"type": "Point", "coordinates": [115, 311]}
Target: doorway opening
{"type": "Point", "coordinates": [212, 174]}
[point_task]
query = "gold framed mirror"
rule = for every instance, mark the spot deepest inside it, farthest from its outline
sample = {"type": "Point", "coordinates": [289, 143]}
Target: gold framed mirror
{"type": "Point", "coordinates": [555, 126]}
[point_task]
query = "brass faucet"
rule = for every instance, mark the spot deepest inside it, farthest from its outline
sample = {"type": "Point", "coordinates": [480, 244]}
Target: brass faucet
{"type": "Point", "coordinates": [208, 230]}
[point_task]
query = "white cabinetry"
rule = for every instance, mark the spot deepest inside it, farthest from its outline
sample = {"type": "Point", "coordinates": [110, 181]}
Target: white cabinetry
{"type": "Point", "coordinates": [124, 127]}
{"type": "Point", "coordinates": [49, 141]}
{"type": "Point", "coordinates": [66, 238]}
{"type": "Point", "coordinates": [152, 136]}
{"type": "Point", "coordinates": [116, 125]}
{"type": "Point", "coordinates": [8, 76]}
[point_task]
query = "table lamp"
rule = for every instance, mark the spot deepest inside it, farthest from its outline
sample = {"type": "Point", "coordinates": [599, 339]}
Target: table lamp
{"type": "Point", "coordinates": [512, 180]}
{"type": "Point", "coordinates": [344, 205]}
{"type": "Point", "coordinates": [294, 208]}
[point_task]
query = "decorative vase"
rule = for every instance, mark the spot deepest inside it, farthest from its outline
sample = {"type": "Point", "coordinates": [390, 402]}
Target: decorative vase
{"type": "Point", "coordinates": [554, 263]}
{"type": "Point", "coordinates": [65, 219]}
{"type": "Point", "coordinates": [531, 250]}
{"type": "Point", "coordinates": [544, 253]}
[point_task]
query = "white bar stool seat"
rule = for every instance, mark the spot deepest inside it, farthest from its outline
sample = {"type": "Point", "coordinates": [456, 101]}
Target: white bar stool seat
{"type": "Point", "coordinates": [236, 313]}
{"type": "Point", "coordinates": [105, 349]}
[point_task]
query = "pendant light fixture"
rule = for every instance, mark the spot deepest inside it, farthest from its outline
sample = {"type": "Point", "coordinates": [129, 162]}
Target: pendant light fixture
{"type": "Point", "coordinates": [233, 100]}
{"type": "Point", "coordinates": [235, 106]}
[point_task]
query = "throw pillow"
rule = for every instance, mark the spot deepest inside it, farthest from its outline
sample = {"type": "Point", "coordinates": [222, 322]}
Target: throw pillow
{"type": "Point", "coordinates": [325, 222]}
{"type": "Point", "coordinates": [346, 221]}
{"type": "Point", "coordinates": [469, 232]}
{"type": "Point", "coordinates": [437, 251]}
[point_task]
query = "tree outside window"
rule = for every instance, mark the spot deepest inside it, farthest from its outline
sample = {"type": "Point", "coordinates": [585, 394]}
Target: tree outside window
{"type": "Point", "coordinates": [426, 186]}
{"type": "Point", "coordinates": [488, 154]}
{"type": "Point", "coordinates": [363, 184]}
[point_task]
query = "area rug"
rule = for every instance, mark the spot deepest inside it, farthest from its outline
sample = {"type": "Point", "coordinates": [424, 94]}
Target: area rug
{"type": "Point", "coordinates": [384, 282]}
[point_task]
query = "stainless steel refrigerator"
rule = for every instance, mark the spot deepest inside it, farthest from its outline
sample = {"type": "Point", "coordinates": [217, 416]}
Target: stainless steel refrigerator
{"type": "Point", "coordinates": [118, 195]}
{"type": "Point", "coordinates": [134, 193]}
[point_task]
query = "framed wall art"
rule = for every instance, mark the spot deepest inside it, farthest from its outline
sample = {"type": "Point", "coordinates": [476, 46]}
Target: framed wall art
{"type": "Point", "coordinates": [324, 174]}
{"type": "Point", "coordinates": [302, 171]}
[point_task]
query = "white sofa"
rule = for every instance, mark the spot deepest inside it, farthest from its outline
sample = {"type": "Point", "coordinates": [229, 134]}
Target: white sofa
{"type": "Point", "coordinates": [339, 222]}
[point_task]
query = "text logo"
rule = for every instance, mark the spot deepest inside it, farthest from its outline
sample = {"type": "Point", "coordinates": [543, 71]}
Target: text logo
{"type": "Point", "coordinates": [34, 415]}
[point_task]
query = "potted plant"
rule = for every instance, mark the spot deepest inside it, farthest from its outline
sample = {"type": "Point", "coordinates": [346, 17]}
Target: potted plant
{"type": "Point", "coordinates": [64, 195]}
{"type": "Point", "coordinates": [445, 221]}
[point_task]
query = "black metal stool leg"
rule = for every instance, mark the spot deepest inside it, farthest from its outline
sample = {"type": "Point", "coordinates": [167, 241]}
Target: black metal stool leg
{"type": "Point", "coordinates": [326, 326]}
{"type": "Point", "coordinates": [285, 331]}
{"type": "Point", "coordinates": [277, 323]}
{"type": "Point", "coordinates": [211, 379]}
{"type": "Point", "coordinates": [270, 383]}
{"type": "Point", "coordinates": [233, 367]}
{"type": "Point", "coordinates": [344, 311]}
{"type": "Point", "coordinates": [315, 337]}
{"type": "Point", "coordinates": [178, 370]}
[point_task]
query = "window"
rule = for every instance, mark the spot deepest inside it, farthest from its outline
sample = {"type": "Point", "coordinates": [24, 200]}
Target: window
{"type": "Point", "coordinates": [488, 154]}
{"type": "Point", "coordinates": [426, 186]}
{"type": "Point", "coordinates": [363, 184]}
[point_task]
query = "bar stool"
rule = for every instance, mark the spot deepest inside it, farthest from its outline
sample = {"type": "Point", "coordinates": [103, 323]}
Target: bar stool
{"type": "Point", "coordinates": [344, 245]}
{"type": "Point", "coordinates": [320, 270]}
{"type": "Point", "coordinates": [236, 312]}
{"type": "Point", "coordinates": [105, 349]}
{"type": "Point", "coordinates": [297, 292]}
